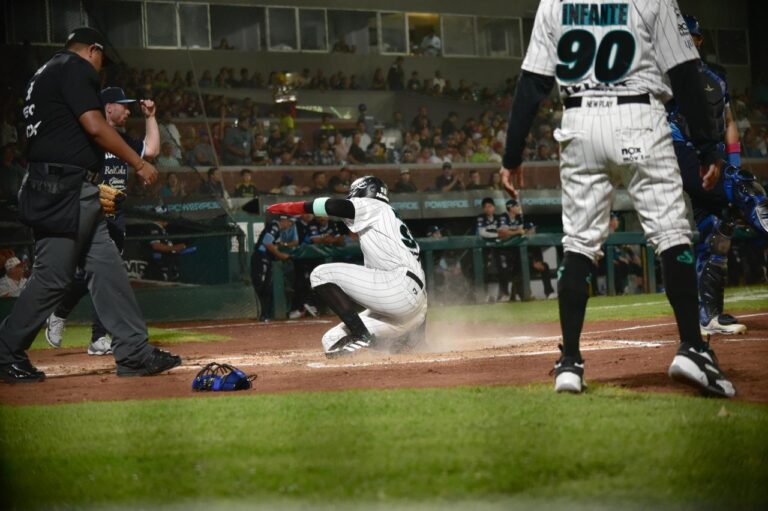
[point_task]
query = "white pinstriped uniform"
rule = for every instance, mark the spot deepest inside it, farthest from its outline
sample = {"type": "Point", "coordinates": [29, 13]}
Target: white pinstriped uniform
{"type": "Point", "coordinates": [395, 304]}
{"type": "Point", "coordinates": [604, 144]}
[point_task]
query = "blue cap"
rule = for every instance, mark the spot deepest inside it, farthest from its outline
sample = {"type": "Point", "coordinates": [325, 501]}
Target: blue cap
{"type": "Point", "coordinates": [693, 24]}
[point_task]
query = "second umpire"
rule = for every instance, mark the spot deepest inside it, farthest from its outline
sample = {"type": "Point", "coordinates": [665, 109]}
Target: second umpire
{"type": "Point", "coordinates": [67, 136]}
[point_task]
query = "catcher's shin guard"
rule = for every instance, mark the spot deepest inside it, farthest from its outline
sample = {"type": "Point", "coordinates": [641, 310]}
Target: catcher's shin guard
{"type": "Point", "coordinates": [749, 196]}
{"type": "Point", "coordinates": [712, 265]}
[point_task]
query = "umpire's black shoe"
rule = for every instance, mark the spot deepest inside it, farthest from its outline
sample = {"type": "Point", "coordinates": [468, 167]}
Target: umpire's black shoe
{"type": "Point", "coordinates": [350, 344]}
{"type": "Point", "coordinates": [157, 362]}
{"type": "Point", "coordinates": [21, 372]}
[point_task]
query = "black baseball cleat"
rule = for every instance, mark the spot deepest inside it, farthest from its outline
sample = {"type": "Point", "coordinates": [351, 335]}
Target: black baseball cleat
{"type": "Point", "coordinates": [21, 372]}
{"type": "Point", "coordinates": [699, 369]}
{"type": "Point", "coordinates": [350, 344]}
{"type": "Point", "coordinates": [157, 362]}
{"type": "Point", "coordinates": [569, 374]}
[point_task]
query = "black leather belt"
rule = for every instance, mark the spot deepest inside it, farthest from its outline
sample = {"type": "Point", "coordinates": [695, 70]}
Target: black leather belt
{"type": "Point", "coordinates": [575, 102]}
{"type": "Point", "coordinates": [92, 176]}
{"type": "Point", "coordinates": [416, 279]}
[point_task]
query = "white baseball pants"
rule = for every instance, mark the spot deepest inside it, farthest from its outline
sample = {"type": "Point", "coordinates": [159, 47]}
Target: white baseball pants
{"type": "Point", "coordinates": [395, 304]}
{"type": "Point", "coordinates": [607, 145]}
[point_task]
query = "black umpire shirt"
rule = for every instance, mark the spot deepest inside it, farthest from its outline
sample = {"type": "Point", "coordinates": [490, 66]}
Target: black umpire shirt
{"type": "Point", "coordinates": [61, 91]}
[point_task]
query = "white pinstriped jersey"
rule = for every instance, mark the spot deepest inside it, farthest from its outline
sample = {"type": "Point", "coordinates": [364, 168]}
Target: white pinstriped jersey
{"type": "Point", "coordinates": [600, 47]}
{"type": "Point", "coordinates": [385, 240]}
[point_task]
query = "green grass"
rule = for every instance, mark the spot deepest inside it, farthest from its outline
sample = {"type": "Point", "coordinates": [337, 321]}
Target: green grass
{"type": "Point", "coordinates": [742, 299]}
{"type": "Point", "coordinates": [505, 446]}
{"type": "Point", "coordinates": [79, 336]}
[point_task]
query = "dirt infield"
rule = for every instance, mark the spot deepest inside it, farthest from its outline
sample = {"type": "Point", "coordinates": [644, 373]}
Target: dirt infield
{"type": "Point", "coordinates": [286, 357]}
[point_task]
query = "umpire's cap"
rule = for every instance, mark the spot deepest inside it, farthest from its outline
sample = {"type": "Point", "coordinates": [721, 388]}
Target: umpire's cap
{"type": "Point", "coordinates": [693, 25]}
{"type": "Point", "coordinates": [115, 95]}
{"type": "Point", "coordinates": [86, 35]}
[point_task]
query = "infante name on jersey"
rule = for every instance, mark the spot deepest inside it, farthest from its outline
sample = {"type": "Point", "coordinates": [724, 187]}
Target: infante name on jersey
{"type": "Point", "coordinates": [595, 14]}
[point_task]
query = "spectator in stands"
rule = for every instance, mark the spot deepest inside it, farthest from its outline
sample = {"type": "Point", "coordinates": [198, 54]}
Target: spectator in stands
{"type": "Point", "coordinates": [14, 280]}
{"type": "Point", "coordinates": [324, 154]}
{"type": "Point", "coordinates": [408, 156]}
{"type": "Point", "coordinates": [11, 174]}
{"type": "Point", "coordinates": [397, 121]}
{"type": "Point", "coordinates": [431, 45]}
{"type": "Point", "coordinates": [340, 182]}
{"type": "Point", "coordinates": [246, 188]}
{"type": "Point", "coordinates": [464, 91]}
{"type": "Point", "coordinates": [340, 148]}
{"type": "Point", "coordinates": [260, 151]}
{"type": "Point", "coordinates": [303, 155]}
{"type": "Point", "coordinates": [237, 143]}
{"type": "Point", "coordinates": [426, 157]}
{"type": "Point", "coordinates": [365, 138]}
{"type": "Point", "coordinates": [327, 128]}
{"type": "Point", "coordinates": [319, 81]}
{"type": "Point", "coordinates": [449, 91]}
{"type": "Point", "coordinates": [213, 186]}
{"type": "Point", "coordinates": [450, 125]}
{"type": "Point", "coordinates": [378, 82]}
{"type": "Point", "coordinates": [404, 184]}
{"type": "Point", "coordinates": [341, 46]}
{"type": "Point", "coordinates": [474, 181]}
{"type": "Point", "coordinates": [421, 120]}
{"type": "Point", "coordinates": [414, 83]}
{"type": "Point", "coordinates": [354, 84]}
{"type": "Point", "coordinates": [376, 153]}
{"type": "Point", "coordinates": [447, 181]}
{"type": "Point", "coordinates": [173, 188]}
{"type": "Point", "coordinates": [396, 75]}
{"type": "Point", "coordinates": [224, 45]}
{"type": "Point", "coordinates": [441, 154]}
{"type": "Point", "coordinates": [544, 153]}
{"type": "Point", "coordinates": [287, 187]}
{"type": "Point", "coordinates": [494, 181]}
{"type": "Point", "coordinates": [166, 157]}
{"type": "Point", "coordinates": [245, 80]}
{"type": "Point", "coordinates": [257, 82]}
{"type": "Point", "coordinates": [319, 183]}
{"type": "Point", "coordinates": [275, 143]}
{"type": "Point", "coordinates": [356, 154]}
{"type": "Point", "coordinates": [206, 80]}
{"type": "Point", "coordinates": [438, 82]}
{"type": "Point", "coordinates": [202, 153]}
{"type": "Point", "coordinates": [170, 133]}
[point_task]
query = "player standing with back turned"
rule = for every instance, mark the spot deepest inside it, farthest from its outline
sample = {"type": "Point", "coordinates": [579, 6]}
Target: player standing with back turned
{"type": "Point", "coordinates": [609, 60]}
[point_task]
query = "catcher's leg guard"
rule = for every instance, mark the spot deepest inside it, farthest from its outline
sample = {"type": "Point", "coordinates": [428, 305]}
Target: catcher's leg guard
{"type": "Point", "coordinates": [744, 192]}
{"type": "Point", "coordinates": [711, 270]}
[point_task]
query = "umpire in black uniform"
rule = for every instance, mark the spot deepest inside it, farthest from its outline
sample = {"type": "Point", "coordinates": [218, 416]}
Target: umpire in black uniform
{"type": "Point", "coordinates": [67, 136]}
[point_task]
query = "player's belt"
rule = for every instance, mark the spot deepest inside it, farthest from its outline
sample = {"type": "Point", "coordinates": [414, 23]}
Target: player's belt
{"type": "Point", "coordinates": [416, 279]}
{"type": "Point", "coordinates": [575, 102]}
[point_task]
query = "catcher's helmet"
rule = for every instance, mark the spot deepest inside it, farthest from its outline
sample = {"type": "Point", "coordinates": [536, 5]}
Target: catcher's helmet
{"type": "Point", "coordinates": [369, 187]}
{"type": "Point", "coordinates": [693, 24]}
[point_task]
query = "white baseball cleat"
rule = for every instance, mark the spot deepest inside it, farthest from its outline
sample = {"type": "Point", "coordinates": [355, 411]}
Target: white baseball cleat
{"type": "Point", "coordinates": [101, 346]}
{"type": "Point", "coordinates": [715, 326]}
{"type": "Point", "coordinates": [54, 330]}
{"type": "Point", "coordinates": [569, 375]}
{"type": "Point", "coordinates": [311, 309]}
{"type": "Point", "coordinates": [295, 314]}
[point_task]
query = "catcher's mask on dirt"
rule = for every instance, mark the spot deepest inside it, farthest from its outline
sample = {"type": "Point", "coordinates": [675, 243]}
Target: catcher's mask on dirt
{"type": "Point", "coordinates": [216, 377]}
{"type": "Point", "coordinates": [370, 187]}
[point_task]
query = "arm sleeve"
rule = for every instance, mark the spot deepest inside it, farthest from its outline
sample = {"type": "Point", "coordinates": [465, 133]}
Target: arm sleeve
{"type": "Point", "coordinates": [80, 87]}
{"type": "Point", "coordinates": [531, 91]}
{"type": "Point", "coordinates": [341, 208]}
{"type": "Point", "coordinates": [671, 40]}
{"type": "Point", "coordinates": [688, 90]}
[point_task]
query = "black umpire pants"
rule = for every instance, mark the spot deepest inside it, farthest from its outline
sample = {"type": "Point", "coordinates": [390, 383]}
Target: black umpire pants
{"type": "Point", "coordinates": [55, 261]}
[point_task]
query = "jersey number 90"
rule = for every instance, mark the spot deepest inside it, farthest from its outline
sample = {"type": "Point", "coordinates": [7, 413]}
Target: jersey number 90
{"type": "Point", "coordinates": [579, 52]}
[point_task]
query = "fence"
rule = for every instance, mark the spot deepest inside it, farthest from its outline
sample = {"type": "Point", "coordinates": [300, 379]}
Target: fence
{"type": "Point", "coordinates": [476, 246]}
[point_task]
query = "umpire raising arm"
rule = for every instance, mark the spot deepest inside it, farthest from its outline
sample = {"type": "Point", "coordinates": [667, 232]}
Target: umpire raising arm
{"type": "Point", "coordinates": [67, 135]}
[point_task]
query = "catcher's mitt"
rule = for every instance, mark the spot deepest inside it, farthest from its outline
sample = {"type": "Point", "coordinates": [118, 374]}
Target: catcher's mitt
{"type": "Point", "coordinates": [215, 377]}
{"type": "Point", "coordinates": [110, 198]}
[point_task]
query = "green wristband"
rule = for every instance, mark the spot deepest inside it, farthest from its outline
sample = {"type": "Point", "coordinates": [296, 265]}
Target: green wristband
{"type": "Point", "coordinates": [318, 206]}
